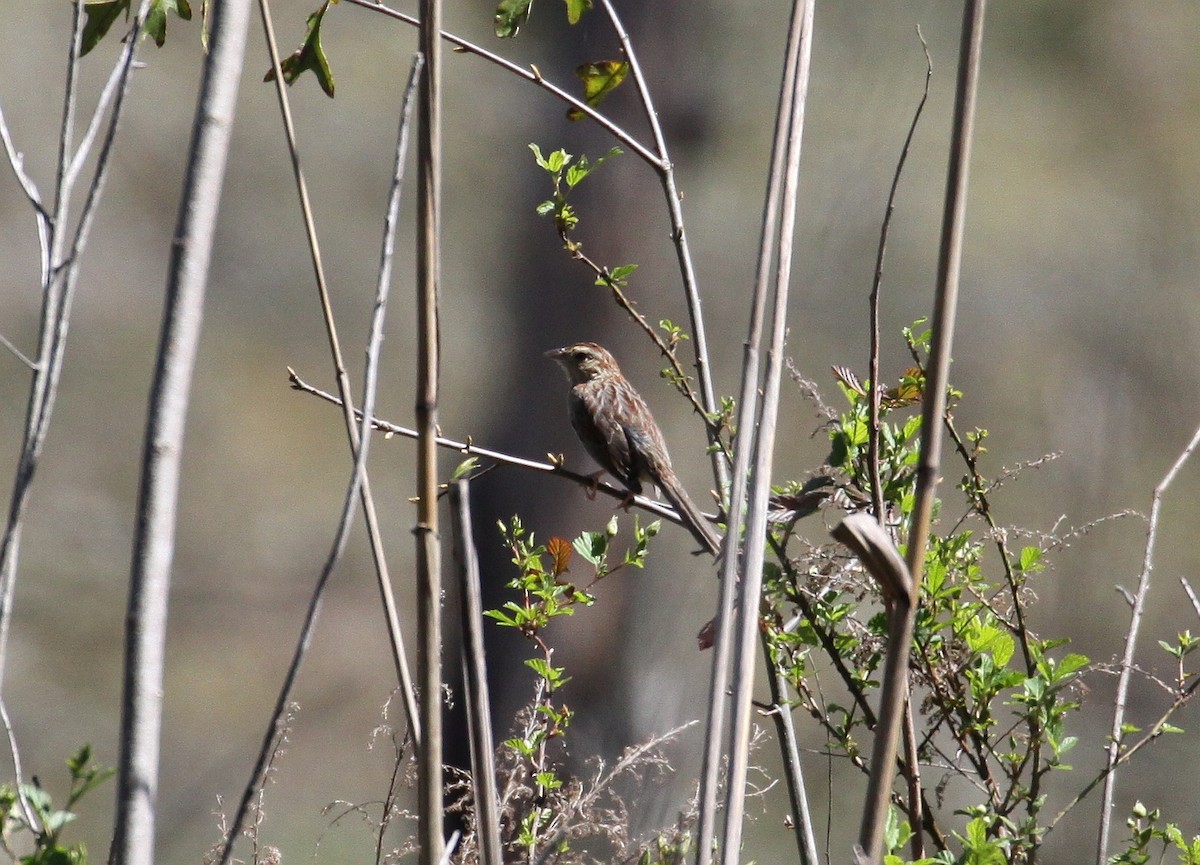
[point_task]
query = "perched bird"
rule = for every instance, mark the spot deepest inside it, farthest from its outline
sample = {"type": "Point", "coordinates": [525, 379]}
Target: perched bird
{"type": "Point", "coordinates": [615, 425]}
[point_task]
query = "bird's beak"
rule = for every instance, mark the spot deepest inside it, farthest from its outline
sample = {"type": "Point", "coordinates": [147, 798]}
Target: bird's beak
{"type": "Point", "coordinates": [556, 353]}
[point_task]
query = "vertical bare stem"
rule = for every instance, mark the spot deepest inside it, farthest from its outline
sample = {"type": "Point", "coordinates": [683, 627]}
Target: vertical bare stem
{"type": "Point", "coordinates": [483, 763]}
{"type": "Point", "coordinates": [154, 537]}
{"type": "Point", "coordinates": [387, 256]}
{"type": "Point", "coordinates": [429, 576]}
{"type": "Point", "coordinates": [876, 284]}
{"type": "Point", "coordinates": [747, 412]}
{"type": "Point", "coordinates": [887, 732]}
{"type": "Point", "coordinates": [763, 445]}
{"type": "Point", "coordinates": [781, 711]}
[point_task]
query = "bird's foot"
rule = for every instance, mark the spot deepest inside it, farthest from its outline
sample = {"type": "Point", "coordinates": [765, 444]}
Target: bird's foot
{"type": "Point", "coordinates": [591, 489]}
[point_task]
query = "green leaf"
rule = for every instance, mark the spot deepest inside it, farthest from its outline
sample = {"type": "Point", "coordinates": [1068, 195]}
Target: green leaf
{"type": "Point", "coordinates": [557, 160]}
{"type": "Point", "coordinates": [591, 546]}
{"type": "Point", "coordinates": [548, 780]}
{"type": "Point", "coordinates": [510, 15]}
{"type": "Point", "coordinates": [500, 617]}
{"type": "Point", "coordinates": [1071, 662]}
{"type": "Point", "coordinates": [599, 79]}
{"type": "Point", "coordinates": [55, 820]}
{"type": "Point", "coordinates": [310, 56]}
{"type": "Point", "coordinates": [156, 20]}
{"type": "Point", "coordinates": [78, 763]}
{"type": "Point", "coordinates": [576, 8]}
{"type": "Point", "coordinates": [101, 15]}
{"type": "Point", "coordinates": [518, 745]}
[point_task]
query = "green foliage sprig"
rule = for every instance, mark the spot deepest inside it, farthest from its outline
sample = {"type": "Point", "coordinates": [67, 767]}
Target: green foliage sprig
{"type": "Point", "coordinates": [557, 808]}
{"type": "Point", "coordinates": [1145, 829]}
{"type": "Point", "coordinates": [44, 823]}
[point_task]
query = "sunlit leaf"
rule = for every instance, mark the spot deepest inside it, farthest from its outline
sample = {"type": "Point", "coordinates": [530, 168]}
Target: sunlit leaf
{"type": "Point", "coordinates": [599, 79]}
{"type": "Point", "coordinates": [576, 8]}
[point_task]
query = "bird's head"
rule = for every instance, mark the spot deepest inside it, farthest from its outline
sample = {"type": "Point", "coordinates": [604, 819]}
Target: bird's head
{"type": "Point", "coordinates": [584, 361]}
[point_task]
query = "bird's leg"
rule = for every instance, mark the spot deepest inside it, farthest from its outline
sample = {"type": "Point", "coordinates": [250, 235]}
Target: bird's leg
{"type": "Point", "coordinates": [591, 489]}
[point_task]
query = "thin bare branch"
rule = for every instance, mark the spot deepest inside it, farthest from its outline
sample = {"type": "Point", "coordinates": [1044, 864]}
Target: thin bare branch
{"type": "Point", "coordinates": [469, 448]}
{"type": "Point", "coordinates": [17, 353]}
{"type": "Point", "coordinates": [763, 443]}
{"type": "Point", "coordinates": [1191, 593]}
{"type": "Point", "coordinates": [16, 161]}
{"type": "Point", "coordinates": [781, 712]}
{"type": "Point", "coordinates": [387, 256]}
{"type": "Point", "coordinates": [358, 487]}
{"type": "Point", "coordinates": [531, 75]}
{"type": "Point", "coordinates": [483, 761]}
{"type": "Point", "coordinates": [28, 812]}
{"type": "Point", "coordinates": [1135, 620]}
{"type": "Point", "coordinates": [876, 390]}
{"type": "Point", "coordinates": [59, 280]}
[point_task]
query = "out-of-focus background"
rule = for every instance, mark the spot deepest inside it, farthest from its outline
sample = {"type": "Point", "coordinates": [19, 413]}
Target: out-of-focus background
{"type": "Point", "coordinates": [1077, 334]}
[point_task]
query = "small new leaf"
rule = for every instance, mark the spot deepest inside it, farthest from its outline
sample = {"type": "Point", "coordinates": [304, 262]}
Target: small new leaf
{"type": "Point", "coordinates": [465, 468]}
{"type": "Point", "coordinates": [576, 8]}
{"type": "Point", "coordinates": [310, 56]}
{"type": "Point", "coordinates": [599, 79]}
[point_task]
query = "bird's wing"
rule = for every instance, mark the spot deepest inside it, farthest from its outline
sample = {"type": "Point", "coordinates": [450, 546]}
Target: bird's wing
{"type": "Point", "coordinates": [606, 441]}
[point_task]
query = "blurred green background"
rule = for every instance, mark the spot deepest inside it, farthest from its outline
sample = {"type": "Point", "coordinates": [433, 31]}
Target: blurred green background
{"type": "Point", "coordinates": [1077, 334]}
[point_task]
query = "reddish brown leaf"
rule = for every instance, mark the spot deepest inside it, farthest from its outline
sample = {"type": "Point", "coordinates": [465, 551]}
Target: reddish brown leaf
{"type": "Point", "coordinates": [560, 550]}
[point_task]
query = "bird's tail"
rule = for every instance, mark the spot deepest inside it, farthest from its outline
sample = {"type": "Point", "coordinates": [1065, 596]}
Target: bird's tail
{"type": "Point", "coordinates": [695, 521]}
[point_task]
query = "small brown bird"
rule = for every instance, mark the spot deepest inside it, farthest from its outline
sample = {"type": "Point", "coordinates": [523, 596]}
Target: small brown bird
{"type": "Point", "coordinates": [616, 427]}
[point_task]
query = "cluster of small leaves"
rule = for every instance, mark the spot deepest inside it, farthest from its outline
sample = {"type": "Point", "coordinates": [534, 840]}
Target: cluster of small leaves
{"type": "Point", "coordinates": [102, 14]}
{"type": "Point", "coordinates": [31, 814]}
{"type": "Point", "coordinates": [994, 698]}
{"type": "Point", "coordinates": [566, 172]}
{"type": "Point", "coordinates": [1145, 833]}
